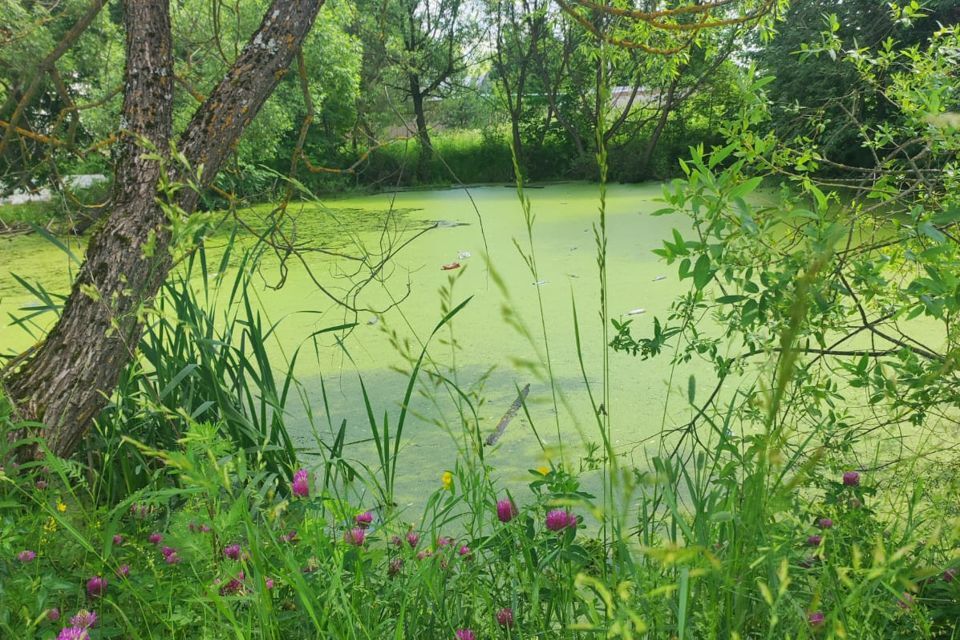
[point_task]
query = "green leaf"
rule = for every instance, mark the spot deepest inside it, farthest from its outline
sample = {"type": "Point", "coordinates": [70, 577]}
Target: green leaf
{"type": "Point", "coordinates": [949, 216]}
{"type": "Point", "coordinates": [702, 273]}
{"type": "Point", "coordinates": [745, 187]}
{"type": "Point", "coordinates": [720, 155]}
{"type": "Point", "coordinates": [927, 229]}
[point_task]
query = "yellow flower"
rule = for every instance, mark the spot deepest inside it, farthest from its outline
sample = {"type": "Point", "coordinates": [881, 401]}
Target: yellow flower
{"type": "Point", "coordinates": [50, 526]}
{"type": "Point", "coordinates": [447, 480]}
{"type": "Point", "coordinates": [62, 508]}
{"type": "Point", "coordinates": [543, 470]}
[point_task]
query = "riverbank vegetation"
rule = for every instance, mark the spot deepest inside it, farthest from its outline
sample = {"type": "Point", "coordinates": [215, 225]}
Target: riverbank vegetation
{"type": "Point", "coordinates": [153, 485]}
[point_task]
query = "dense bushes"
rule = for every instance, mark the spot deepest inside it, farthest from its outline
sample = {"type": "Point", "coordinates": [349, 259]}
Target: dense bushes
{"type": "Point", "coordinates": [471, 157]}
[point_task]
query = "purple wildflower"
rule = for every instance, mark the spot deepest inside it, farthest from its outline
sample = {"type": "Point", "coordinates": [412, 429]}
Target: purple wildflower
{"type": "Point", "coordinates": [172, 558]}
{"type": "Point", "coordinates": [301, 483]}
{"type": "Point", "coordinates": [506, 511]}
{"type": "Point", "coordinates": [505, 617]}
{"type": "Point", "coordinates": [364, 519]}
{"type": "Point", "coordinates": [423, 555]}
{"type": "Point", "coordinates": [396, 564]}
{"type": "Point", "coordinates": [155, 538]}
{"type": "Point", "coordinates": [289, 537]}
{"type": "Point", "coordinates": [814, 541]}
{"type": "Point", "coordinates": [825, 523]}
{"type": "Point", "coordinates": [26, 556]}
{"type": "Point", "coordinates": [167, 551]}
{"type": "Point", "coordinates": [413, 538]}
{"type": "Point", "coordinates": [123, 571]}
{"type": "Point", "coordinates": [444, 541]}
{"type": "Point", "coordinates": [234, 586]}
{"type": "Point", "coordinates": [355, 536]}
{"type": "Point", "coordinates": [73, 633]}
{"type": "Point", "coordinates": [466, 634]}
{"type": "Point", "coordinates": [851, 479]}
{"type": "Point", "coordinates": [464, 551]}
{"type": "Point", "coordinates": [269, 583]}
{"type": "Point", "coordinates": [97, 587]}
{"type": "Point", "coordinates": [40, 485]}
{"type": "Point", "coordinates": [205, 528]}
{"type": "Point", "coordinates": [118, 539]}
{"type": "Point", "coordinates": [53, 615]}
{"type": "Point", "coordinates": [560, 519]}
{"type": "Point", "coordinates": [816, 618]}
{"type": "Point", "coordinates": [84, 619]}
{"type": "Point", "coordinates": [232, 551]}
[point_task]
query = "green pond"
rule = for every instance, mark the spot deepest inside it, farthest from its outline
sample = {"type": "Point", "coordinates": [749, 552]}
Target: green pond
{"type": "Point", "coordinates": [490, 355]}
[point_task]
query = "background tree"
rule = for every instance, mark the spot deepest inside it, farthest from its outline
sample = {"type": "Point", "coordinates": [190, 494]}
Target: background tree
{"type": "Point", "coordinates": [431, 44]}
{"type": "Point", "coordinates": [518, 28]}
{"type": "Point", "coordinates": [60, 78]}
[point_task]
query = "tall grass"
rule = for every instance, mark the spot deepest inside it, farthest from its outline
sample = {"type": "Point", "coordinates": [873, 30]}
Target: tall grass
{"type": "Point", "coordinates": [737, 528]}
{"type": "Point", "coordinates": [203, 358]}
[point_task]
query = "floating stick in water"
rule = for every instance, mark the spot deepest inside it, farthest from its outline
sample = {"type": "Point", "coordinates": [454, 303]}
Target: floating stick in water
{"type": "Point", "coordinates": [508, 416]}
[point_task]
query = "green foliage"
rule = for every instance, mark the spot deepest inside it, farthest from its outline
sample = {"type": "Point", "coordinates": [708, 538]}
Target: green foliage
{"type": "Point", "coordinates": [458, 157]}
{"type": "Point", "coordinates": [866, 262]}
{"type": "Point", "coordinates": [815, 92]}
{"type": "Point", "coordinates": [824, 306]}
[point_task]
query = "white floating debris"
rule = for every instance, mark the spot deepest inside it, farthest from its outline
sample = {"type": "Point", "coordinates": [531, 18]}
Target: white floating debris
{"type": "Point", "coordinates": [540, 283]}
{"type": "Point", "coordinates": [373, 320]}
{"type": "Point", "coordinates": [636, 312]}
{"type": "Point", "coordinates": [659, 278]}
{"type": "Point", "coordinates": [463, 255]}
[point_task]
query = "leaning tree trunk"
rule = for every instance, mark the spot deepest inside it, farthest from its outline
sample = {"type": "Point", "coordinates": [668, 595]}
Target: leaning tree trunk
{"type": "Point", "coordinates": [67, 380]}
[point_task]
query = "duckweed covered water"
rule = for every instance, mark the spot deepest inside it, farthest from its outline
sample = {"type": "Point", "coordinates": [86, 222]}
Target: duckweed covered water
{"type": "Point", "coordinates": [481, 350]}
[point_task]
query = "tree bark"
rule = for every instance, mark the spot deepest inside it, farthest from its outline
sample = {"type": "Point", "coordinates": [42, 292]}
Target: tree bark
{"type": "Point", "coordinates": [66, 382]}
{"type": "Point", "coordinates": [423, 134]}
